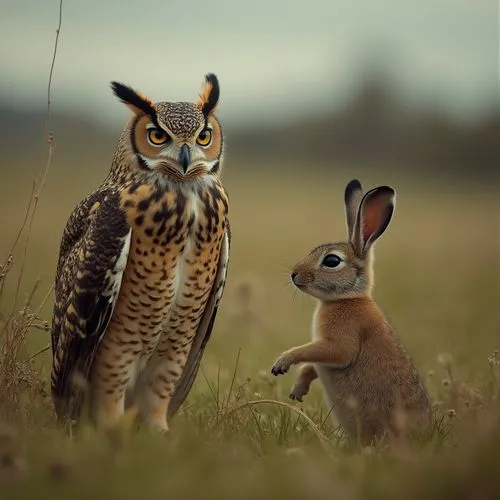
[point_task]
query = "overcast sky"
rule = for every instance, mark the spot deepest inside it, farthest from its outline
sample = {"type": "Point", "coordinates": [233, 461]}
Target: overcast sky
{"type": "Point", "coordinates": [273, 58]}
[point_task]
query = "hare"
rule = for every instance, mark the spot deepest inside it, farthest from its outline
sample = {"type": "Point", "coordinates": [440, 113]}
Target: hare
{"type": "Point", "coordinates": [368, 378]}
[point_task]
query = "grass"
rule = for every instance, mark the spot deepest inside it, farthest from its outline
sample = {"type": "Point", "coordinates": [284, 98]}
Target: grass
{"type": "Point", "coordinates": [238, 435]}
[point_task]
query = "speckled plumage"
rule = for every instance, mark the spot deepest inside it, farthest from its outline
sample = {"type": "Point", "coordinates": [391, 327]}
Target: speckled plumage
{"type": "Point", "coordinates": [182, 118]}
{"type": "Point", "coordinates": [142, 268]}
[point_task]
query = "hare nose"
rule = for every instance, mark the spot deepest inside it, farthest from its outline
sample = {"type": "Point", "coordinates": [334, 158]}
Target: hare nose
{"type": "Point", "coordinates": [293, 276]}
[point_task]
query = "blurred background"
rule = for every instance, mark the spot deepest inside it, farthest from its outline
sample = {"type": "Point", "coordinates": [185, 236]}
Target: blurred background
{"type": "Point", "coordinates": [409, 85]}
{"type": "Point", "coordinates": [312, 95]}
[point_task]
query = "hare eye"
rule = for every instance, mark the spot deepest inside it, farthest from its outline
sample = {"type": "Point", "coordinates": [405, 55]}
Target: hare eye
{"type": "Point", "coordinates": [331, 260]}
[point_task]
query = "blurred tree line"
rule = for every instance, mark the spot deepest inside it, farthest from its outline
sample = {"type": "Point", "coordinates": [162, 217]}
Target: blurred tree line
{"type": "Point", "coordinates": [374, 129]}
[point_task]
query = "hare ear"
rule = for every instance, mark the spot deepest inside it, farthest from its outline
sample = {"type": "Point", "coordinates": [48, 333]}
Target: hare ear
{"type": "Point", "coordinates": [375, 213]}
{"type": "Point", "coordinates": [352, 199]}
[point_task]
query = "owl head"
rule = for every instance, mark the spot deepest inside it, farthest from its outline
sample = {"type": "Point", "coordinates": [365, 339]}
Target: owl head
{"type": "Point", "coordinates": [173, 140]}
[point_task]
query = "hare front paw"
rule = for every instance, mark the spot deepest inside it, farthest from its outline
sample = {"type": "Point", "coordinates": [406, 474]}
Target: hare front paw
{"type": "Point", "coordinates": [299, 391]}
{"type": "Point", "coordinates": [281, 365]}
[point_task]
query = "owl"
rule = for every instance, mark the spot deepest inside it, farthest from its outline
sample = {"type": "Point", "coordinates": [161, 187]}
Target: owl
{"type": "Point", "coordinates": [142, 266]}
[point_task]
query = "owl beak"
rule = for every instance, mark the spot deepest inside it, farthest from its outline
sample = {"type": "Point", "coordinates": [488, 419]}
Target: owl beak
{"type": "Point", "coordinates": [184, 157]}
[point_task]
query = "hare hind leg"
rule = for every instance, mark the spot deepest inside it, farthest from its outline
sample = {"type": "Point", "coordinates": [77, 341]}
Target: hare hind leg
{"type": "Point", "coordinates": [307, 374]}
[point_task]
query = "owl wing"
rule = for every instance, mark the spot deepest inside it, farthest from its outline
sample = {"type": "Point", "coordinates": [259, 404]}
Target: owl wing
{"type": "Point", "coordinates": [204, 329]}
{"type": "Point", "coordinates": [92, 257]}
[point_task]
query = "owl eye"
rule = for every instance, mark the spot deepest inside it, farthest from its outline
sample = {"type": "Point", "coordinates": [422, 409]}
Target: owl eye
{"type": "Point", "coordinates": [331, 260]}
{"type": "Point", "coordinates": [205, 137]}
{"type": "Point", "coordinates": [157, 137]}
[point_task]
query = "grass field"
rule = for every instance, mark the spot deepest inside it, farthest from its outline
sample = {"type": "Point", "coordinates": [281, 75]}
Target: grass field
{"type": "Point", "coordinates": [436, 278]}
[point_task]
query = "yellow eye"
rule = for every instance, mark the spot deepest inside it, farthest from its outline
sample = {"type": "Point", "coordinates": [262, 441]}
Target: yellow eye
{"type": "Point", "coordinates": [205, 137]}
{"type": "Point", "coordinates": [157, 137]}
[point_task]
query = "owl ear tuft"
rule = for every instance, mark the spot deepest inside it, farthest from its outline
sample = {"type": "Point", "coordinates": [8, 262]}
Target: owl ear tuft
{"type": "Point", "coordinates": [209, 96]}
{"type": "Point", "coordinates": [137, 102]}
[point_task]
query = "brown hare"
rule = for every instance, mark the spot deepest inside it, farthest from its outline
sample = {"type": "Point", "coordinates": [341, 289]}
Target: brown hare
{"type": "Point", "coordinates": [369, 380]}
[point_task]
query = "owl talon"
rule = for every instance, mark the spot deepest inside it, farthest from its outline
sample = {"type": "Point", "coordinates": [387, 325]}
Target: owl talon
{"type": "Point", "coordinates": [158, 429]}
